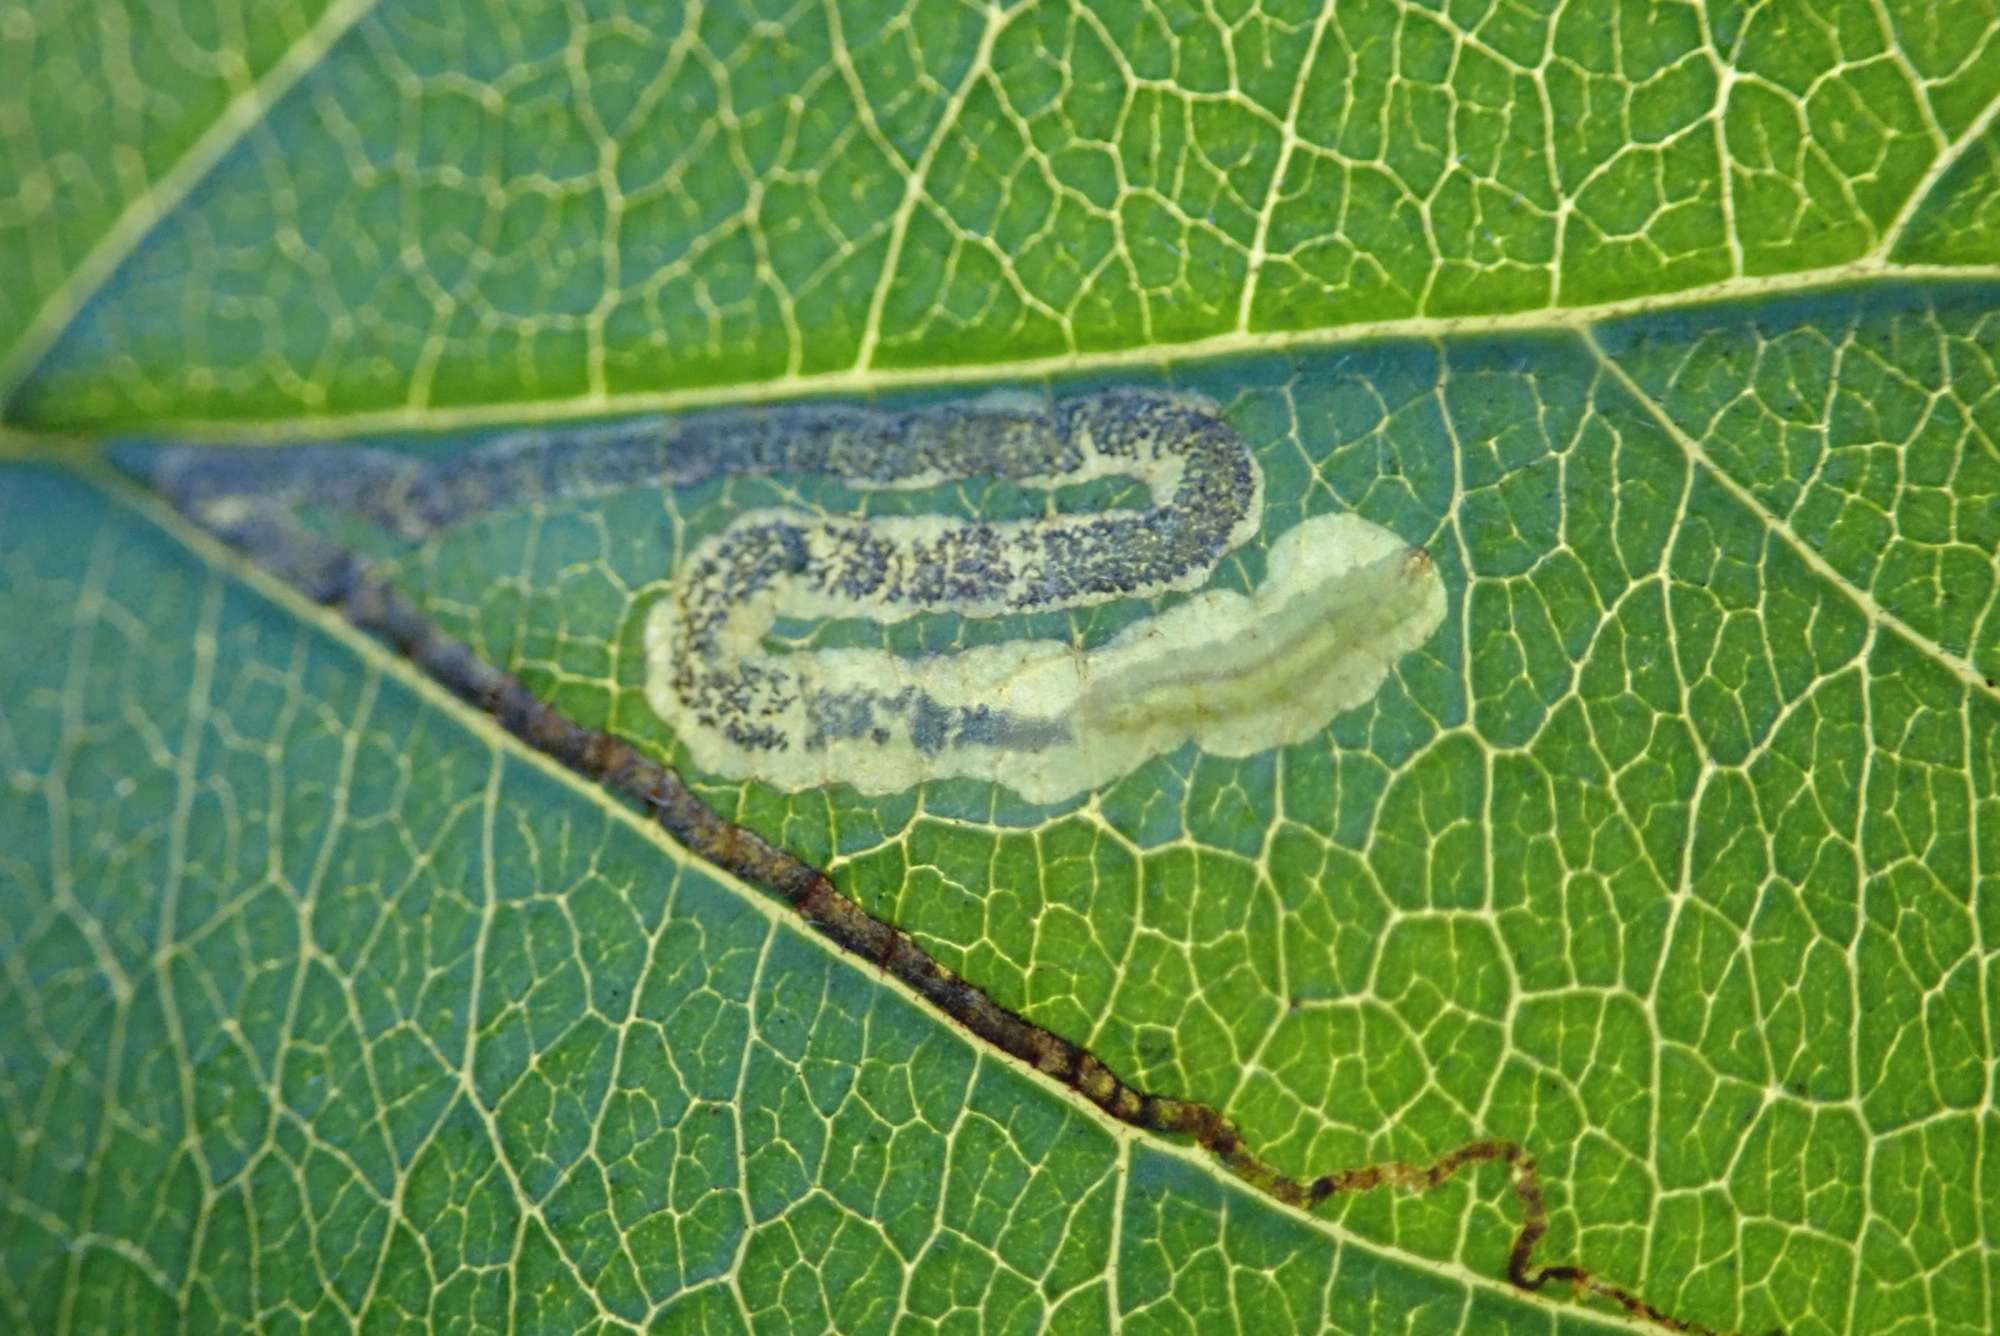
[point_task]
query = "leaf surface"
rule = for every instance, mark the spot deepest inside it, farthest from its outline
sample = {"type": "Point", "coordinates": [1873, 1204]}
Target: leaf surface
{"type": "Point", "coordinates": [1669, 334]}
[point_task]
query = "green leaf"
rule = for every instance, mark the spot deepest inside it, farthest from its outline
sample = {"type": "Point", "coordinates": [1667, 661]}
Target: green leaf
{"type": "Point", "coordinates": [1672, 855]}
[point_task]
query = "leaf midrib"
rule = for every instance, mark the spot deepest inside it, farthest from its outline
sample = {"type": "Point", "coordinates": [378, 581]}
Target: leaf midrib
{"type": "Point", "coordinates": [866, 382]}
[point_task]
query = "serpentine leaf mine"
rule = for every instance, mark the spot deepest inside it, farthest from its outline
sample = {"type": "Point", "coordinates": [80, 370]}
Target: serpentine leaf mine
{"type": "Point", "coordinates": [1235, 674]}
